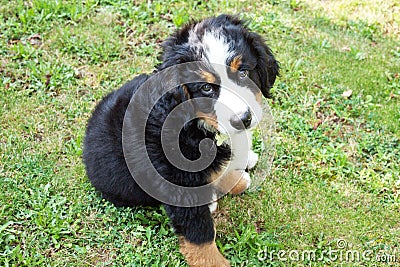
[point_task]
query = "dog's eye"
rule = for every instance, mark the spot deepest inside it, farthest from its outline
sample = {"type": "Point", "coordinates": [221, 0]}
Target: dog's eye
{"type": "Point", "coordinates": [243, 74]}
{"type": "Point", "coordinates": [207, 88]}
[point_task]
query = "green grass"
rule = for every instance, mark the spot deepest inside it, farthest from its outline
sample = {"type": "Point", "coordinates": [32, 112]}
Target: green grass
{"type": "Point", "coordinates": [336, 169]}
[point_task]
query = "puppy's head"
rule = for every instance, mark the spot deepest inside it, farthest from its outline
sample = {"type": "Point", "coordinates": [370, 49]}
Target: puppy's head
{"type": "Point", "coordinates": [236, 68]}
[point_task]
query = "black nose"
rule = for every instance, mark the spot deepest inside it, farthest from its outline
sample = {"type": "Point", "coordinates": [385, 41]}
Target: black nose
{"type": "Point", "coordinates": [241, 122]}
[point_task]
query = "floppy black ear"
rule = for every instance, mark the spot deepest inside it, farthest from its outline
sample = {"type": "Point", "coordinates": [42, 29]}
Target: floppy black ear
{"type": "Point", "coordinates": [175, 48]}
{"type": "Point", "coordinates": [267, 65]}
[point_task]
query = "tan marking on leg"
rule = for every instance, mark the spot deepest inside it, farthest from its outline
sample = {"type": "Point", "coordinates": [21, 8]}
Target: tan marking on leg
{"type": "Point", "coordinates": [232, 182]}
{"type": "Point", "coordinates": [210, 119]}
{"type": "Point", "coordinates": [235, 63]}
{"type": "Point", "coordinates": [215, 176]}
{"type": "Point", "coordinates": [203, 255]}
{"type": "Point", "coordinates": [240, 187]}
{"type": "Point", "coordinates": [208, 76]}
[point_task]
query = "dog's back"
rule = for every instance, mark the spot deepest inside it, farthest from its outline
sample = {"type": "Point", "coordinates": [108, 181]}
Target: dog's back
{"type": "Point", "coordinates": [103, 154]}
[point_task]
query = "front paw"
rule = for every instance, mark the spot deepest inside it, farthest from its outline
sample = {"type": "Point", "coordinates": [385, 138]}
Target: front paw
{"type": "Point", "coordinates": [252, 159]}
{"type": "Point", "coordinates": [213, 206]}
{"type": "Point", "coordinates": [202, 255]}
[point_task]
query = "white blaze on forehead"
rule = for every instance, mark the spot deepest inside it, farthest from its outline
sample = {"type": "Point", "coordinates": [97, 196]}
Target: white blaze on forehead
{"type": "Point", "coordinates": [193, 39]}
{"type": "Point", "coordinates": [233, 99]}
{"type": "Point", "coordinates": [216, 48]}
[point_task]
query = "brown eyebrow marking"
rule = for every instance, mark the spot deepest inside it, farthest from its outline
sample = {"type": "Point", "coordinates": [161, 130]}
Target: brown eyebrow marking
{"type": "Point", "coordinates": [186, 92]}
{"type": "Point", "coordinates": [208, 76]}
{"type": "Point", "coordinates": [259, 97]}
{"type": "Point", "coordinates": [236, 62]}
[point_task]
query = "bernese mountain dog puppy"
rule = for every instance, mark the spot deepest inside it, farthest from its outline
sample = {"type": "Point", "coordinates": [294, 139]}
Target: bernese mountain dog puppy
{"type": "Point", "coordinates": [233, 69]}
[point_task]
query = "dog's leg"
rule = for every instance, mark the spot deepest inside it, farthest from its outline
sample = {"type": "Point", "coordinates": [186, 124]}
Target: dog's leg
{"type": "Point", "coordinates": [234, 182]}
{"type": "Point", "coordinates": [196, 231]}
{"type": "Point", "coordinates": [213, 205]}
{"type": "Point", "coordinates": [243, 183]}
{"type": "Point", "coordinates": [252, 159]}
{"type": "Point", "coordinates": [203, 255]}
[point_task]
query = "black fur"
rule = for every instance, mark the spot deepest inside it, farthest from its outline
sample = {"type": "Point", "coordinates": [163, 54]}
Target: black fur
{"type": "Point", "coordinates": [103, 154]}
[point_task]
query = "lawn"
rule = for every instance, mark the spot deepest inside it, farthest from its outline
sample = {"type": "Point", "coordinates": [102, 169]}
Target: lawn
{"type": "Point", "coordinates": [333, 188]}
